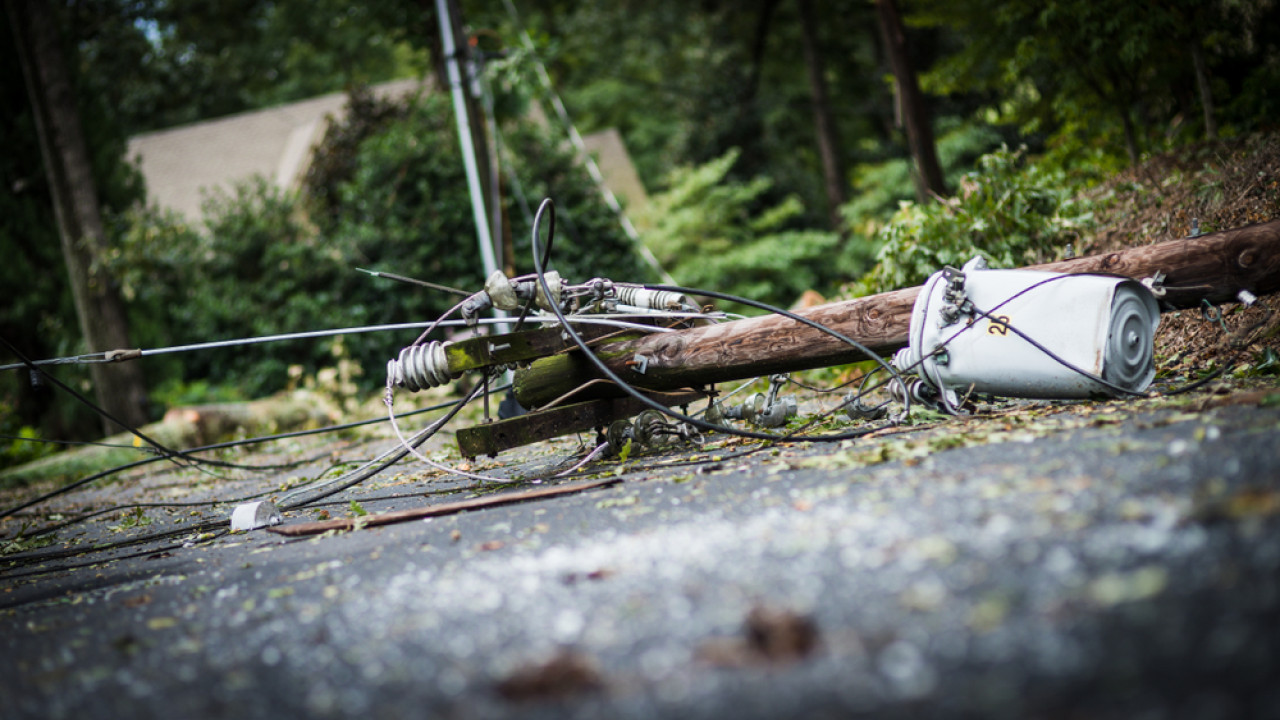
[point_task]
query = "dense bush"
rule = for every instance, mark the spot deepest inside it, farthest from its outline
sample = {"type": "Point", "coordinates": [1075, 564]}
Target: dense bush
{"type": "Point", "coordinates": [1010, 212]}
{"type": "Point", "coordinates": [879, 187]}
{"type": "Point", "coordinates": [711, 233]}
{"type": "Point", "coordinates": [589, 239]}
{"type": "Point", "coordinates": [388, 192]}
{"type": "Point", "coordinates": [255, 268]}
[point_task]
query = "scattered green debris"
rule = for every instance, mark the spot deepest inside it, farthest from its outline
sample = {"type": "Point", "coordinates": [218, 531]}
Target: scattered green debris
{"type": "Point", "coordinates": [132, 519]}
{"type": "Point", "coordinates": [22, 543]}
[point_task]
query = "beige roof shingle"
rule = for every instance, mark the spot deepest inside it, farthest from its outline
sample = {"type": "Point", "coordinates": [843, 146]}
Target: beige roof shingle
{"type": "Point", "coordinates": [180, 163]}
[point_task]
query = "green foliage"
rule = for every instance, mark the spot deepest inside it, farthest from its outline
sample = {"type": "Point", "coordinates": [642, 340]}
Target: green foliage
{"type": "Point", "coordinates": [388, 192]}
{"type": "Point", "coordinates": [405, 209]}
{"type": "Point", "coordinates": [255, 268]}
{"type": "Point", "coordinates": [25, 448]}
{"type": "Point", "coordinates": [1010, 212]}
{"type": "Point", "coordinates": [589, 239]}
{"type": "Point", "coordinates": [131, 519]}
{"type": "Point", "coordinates": [1265, 362]}
{"type": "Point", "coordinates": [159, 63]}
{"type": "Point", "coordinates": [334, 160]}
{"type": "Point", "coordinates": [879, 187]}
{"type": "Point", "coordinates": [21, 543]}
{"type": "Point", "coordinates": [261, 271]}
{"type": "Point", "coordinates": [174, 392]}
{"type": "Point", "coordinates": [684, 82]}
{"type": "Point", "coordinates": [707, 231]}
{"type": "Point", "coordinates": [1106, 75]}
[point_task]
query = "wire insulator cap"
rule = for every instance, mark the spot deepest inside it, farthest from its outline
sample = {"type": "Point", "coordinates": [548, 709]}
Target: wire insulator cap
{"type": "Point", "coordinates": [642, 297]}
{"type": "Point", "coordinates": [501, 292]}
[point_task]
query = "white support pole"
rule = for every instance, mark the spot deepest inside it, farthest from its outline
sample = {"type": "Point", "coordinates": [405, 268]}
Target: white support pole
{"type": "Point", "coordinates": [456, 90]}
{"type": "Point", "coordinates": [464, 139]}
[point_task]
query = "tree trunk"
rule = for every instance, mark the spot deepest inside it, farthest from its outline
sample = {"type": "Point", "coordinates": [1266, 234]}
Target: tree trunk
{"type": "Point", "coordinates": [435, 49]}
{"type": "Point", "coordinates": [758, 45]}
{"type": "Point", "coordinates": [119, 389]}
{"type": "Point", "coordinates": [915, 114]}
{"type": "Point", "coordinates": [182, 428]}
{"type": "Point", "coordinates": [828, 143]}
{"type": "Point", "coordinates": [1130, 135]}
{"type": "Point", "coordinates": [1206, 94]}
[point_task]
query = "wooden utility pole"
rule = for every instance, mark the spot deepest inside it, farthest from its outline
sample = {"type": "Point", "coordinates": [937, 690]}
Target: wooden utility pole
{"type": "Point", "coordinates": [119, 389]}
{"type": "Point", "coordinates": [1212, 267]}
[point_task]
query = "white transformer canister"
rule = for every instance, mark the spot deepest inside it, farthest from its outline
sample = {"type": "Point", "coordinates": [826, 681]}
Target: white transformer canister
{"type": "Point", "coordinates": [1100, 324]}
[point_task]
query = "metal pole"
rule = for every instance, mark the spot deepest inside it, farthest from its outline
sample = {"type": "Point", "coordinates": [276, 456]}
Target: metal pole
{"type": "Point", "coordinates": [456, 90]}
{"type": "Point", "coordinates": [464, 139]}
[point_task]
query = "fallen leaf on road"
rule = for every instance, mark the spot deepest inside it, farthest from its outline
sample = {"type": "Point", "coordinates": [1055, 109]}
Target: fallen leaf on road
{"type": "Point", "coordinates": [567, 673]}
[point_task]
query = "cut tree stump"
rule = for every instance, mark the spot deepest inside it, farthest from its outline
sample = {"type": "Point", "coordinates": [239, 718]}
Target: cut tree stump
{"type": "Point", "coordinates": [182, 428]}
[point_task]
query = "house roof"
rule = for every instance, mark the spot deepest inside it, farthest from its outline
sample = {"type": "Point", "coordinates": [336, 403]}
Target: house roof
{"type": "Point", "coordinates": [182, 164]}
{"type": "Point", "coordinates": [619, 172]}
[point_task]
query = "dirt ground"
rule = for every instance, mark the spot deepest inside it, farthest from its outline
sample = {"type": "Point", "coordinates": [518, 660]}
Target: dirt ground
{"type": "Point", "coordinates": [1207, 188]}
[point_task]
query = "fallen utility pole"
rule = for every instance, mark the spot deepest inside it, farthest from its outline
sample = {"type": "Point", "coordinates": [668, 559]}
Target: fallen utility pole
{"type": "Point", "coordinates": [1214, 267]}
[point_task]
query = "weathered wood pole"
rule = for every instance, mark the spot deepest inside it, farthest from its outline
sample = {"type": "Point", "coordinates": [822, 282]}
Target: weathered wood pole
{"type": "Point", "coordinates": [1213, 267]}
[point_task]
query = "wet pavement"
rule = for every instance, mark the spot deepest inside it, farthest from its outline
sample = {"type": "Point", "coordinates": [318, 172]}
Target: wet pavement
{"type": "Point", "coordinates": [1115, 559]}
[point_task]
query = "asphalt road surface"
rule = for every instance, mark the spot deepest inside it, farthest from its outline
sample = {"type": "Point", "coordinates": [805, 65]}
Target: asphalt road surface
{"type": "Point", "coordinates": [1088, 560]}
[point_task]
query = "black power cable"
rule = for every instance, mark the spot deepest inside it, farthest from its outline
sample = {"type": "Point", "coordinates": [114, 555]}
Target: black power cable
{"type": "Point", "coordinates": [698, 423]}
{"type": "Point", "coordinates": [217, 446]}
{"type": "Point", "coordinates": [37, 558]}
{"type": "Point", "coordinates": [168, 453]}
{"type": "Point", "coordinates": [376, 466]}
{"type": "Point", "coordinates": [1054, 356]}
{"type": "Point", "coordinates": [363, 473]}
{"type": "Point", "coordinates": [197, 503]}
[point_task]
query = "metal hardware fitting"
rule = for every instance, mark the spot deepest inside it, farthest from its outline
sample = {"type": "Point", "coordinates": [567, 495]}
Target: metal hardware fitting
{"type": "Point", "coordinates": [765, 409]}
{"type": "Point", "coordinates": [953, 298]}
{"type": "Point", "coordinates": [1155, 284]}
{"type": "Point", "coordinates": [649, 429]}
{"type": "Point", "coordinates": [642, 297]}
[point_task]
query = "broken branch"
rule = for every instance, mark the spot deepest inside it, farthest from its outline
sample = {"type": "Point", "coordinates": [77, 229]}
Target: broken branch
{"type": "Point", "coordinates": [315, 528]}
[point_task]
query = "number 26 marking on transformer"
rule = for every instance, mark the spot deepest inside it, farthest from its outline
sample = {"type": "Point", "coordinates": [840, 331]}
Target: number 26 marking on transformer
{"type": "Point", "coordinates": [999, 325]}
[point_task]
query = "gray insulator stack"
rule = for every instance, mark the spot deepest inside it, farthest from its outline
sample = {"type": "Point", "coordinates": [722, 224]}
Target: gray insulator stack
{"type": "Point", "coordinates": [419, 367]}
